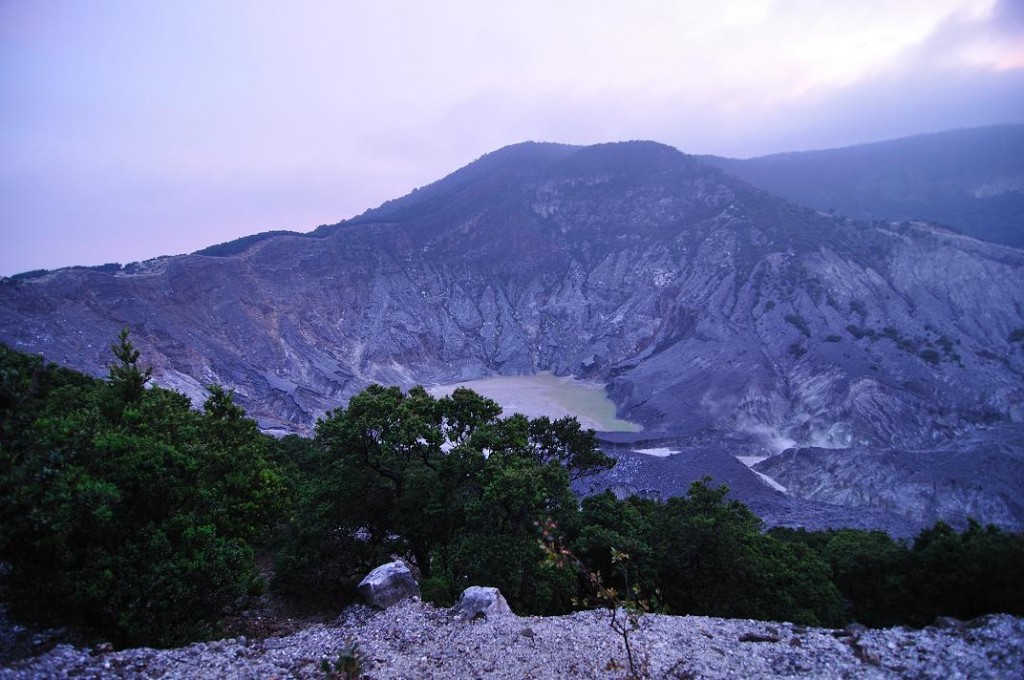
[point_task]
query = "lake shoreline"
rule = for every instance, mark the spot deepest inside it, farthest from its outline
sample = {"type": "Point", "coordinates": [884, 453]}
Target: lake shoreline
{"type": "Point", "coordinates": [545, 394]}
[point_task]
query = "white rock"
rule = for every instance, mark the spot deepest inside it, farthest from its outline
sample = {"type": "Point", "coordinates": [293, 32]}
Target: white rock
{"type": "Point", "coordinates": [388, 584]}
{"type": "Point", "coordinates": [477, 602]}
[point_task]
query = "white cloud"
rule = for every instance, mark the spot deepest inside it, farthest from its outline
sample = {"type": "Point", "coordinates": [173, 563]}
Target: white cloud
{"type": "Point", "coordinates": [187, 106]}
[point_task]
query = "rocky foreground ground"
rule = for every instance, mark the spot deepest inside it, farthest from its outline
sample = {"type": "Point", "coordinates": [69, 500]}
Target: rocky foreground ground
{"type": "Point", "coordinates": [417, 640]}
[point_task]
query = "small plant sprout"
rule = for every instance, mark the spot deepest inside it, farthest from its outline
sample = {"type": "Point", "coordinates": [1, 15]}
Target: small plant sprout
{"type": "Point", "coordinates": [348, 665]}
{"type": "Point", "coordinates": [626, 612]}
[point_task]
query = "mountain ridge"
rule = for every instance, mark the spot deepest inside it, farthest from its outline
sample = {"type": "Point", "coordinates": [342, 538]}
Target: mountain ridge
{"type": "Point", "coordinates": [970, 178]}
{"type": "Point", "coordinates": [714, 311]}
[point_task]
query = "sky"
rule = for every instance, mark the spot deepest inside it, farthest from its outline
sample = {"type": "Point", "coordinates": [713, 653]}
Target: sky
{"type": "Point", "coordinates": [131, 129]}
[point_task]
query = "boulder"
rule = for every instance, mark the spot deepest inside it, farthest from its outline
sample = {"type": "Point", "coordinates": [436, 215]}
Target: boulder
{"type": "Point", "coordinates": [388, 584]}
{"type": "Point", "coordinates": [477, 602]}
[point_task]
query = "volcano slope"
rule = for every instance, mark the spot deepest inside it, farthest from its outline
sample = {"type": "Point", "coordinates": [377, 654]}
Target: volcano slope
{"type": "Point", "coordinates": [969, 179]}
{"type": "Point", "coordinates": [718, 315]}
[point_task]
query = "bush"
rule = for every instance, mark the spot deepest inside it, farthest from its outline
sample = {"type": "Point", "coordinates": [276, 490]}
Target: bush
{"type": "Point", "coordinates": [871, 571]}
{"type": "Point", "coordinates": [965, 575]}
{"type": "Point", "coordinates": [799, 323]}
{"type": "Point", "coordinates": [704, 554]}
{"type": "Point", "coordinates": [943, 573]}
{"type": "Point", "coordinates": [124, 510]}
{"type": "Point", "coordinates": [448, 484]}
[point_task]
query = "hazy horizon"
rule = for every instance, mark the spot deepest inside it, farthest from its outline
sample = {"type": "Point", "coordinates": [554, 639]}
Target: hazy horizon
{"type": "Point", "coordinates": [131, 131]}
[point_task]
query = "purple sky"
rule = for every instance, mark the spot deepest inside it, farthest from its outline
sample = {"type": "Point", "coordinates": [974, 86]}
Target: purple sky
{"type": "Point", "coordinates": [131, 129]}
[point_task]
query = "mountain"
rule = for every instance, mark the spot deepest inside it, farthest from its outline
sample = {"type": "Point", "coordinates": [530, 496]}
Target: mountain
{"type": "Point", "coordinates": [725, 320]}
{"type": "Point", "coordinates": [971, 180]}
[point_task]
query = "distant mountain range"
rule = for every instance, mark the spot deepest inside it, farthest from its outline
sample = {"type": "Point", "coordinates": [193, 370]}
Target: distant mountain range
{"type": "Point", "coordinates": [726, 320]}
{"type": "Point", "coordinates": [971, 180]}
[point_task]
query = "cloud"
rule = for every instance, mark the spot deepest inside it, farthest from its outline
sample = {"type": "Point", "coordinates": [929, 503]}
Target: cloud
{"type": "Point", "coordinates": [992, 40]}
{"type": "Point", "coordinates": [966, 71]}
{"type": "Point", "coordinates": [193, 120]}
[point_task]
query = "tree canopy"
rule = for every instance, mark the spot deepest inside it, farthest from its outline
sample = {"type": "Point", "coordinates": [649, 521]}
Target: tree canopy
{"type": "Point", "coordinates": [445, 481]}
{"type": "Point", "coordinates": [122, 508]}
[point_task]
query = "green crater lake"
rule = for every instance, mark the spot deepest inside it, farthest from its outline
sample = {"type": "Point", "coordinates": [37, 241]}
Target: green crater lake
{"type": "Point", "coordinates": [544, 394]}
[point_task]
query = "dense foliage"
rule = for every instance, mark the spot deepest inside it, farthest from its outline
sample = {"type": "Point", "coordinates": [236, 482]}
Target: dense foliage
{"type": "Point", "coordinates": [444, 481]}
{"type": "Point", "coordinates": [942, 573]}
{"type": "Point", "coordinates": [124, 510]}
{"type": "Point", "coordinates": [704, 554]}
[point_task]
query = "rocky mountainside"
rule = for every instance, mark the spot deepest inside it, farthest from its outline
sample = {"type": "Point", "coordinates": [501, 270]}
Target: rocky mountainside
{"type": "Point", "coordinates": [972, 180]}
{"type": "Point", "coordinates": [717, 314]}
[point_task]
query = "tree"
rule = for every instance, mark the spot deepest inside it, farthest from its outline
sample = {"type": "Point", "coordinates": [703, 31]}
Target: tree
{"type": "Point", "coordinates": [126, 377]}
{"type": "Point", "coordinates": [698, 545]}
{"type": "Point", "coordinates": [448, 483]}
{"type": "Point", "coordinates": [608, 524]}
{"type": "Point", "coordinates": [563, 441]}
{"type": "Point", "coordinates": [382, 452]}
{"type": "Point", "coordinates": [870, 569]}
{"type": "Point", "coordinates": [965, 575]}
{"type": "Point", "coordinates": [712, 559]}
{"type": "Point", "coordinates": [497, 543]}
{"type": "Point", "coordinates": [139, 524]}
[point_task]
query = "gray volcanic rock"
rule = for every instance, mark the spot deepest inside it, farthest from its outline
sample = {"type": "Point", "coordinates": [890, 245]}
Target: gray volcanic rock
{"type": "Point", "coordinates": [663, 477]}
{"type": "Point", "coordinates": [479, 602]}
{"type": "Point", "coordinates": [416, 640]}
{"type": "Point", "coordinates": [716, 313]}
{"type": "Point", "coordinates": [387, 584]}
{"type": "Point", "coordinates": [977, 477]}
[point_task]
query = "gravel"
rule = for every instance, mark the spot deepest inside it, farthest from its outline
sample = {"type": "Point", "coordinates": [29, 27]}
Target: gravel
{"type": "Point", "coordinates": [417, 640]}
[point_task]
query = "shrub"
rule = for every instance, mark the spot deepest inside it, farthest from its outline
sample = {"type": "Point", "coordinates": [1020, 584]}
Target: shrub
{"type": "Point", "coordinates": [799, 323]}
{"type": "Point", "coordinates": [124, 510]}
{"type": "Point", "coordinates": [447, 483]}
{"type": "Point", "coordinates": [856, 331]}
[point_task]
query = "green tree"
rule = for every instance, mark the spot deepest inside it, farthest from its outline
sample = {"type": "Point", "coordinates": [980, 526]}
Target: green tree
{"type": "Point", "coordinates": [699, 541]}
{"type": "Point", "coordinates": [446, 482]}
{"type": "Point", "coordinates": [607, 523]}
{"type": "Point", "coordinates": [713, 559]}
{"type": "Point", "coordinates": [563, 441]}
{"type": "Point", "coordinates": [127, 378]}
{"type": "Point", "coordinates": [870, 569]}
{"type": "Point", "coordinates": [965, 574]}
{"type": "Point", "coordinates": [139, 523]}
{"type": "Point", "coordinates": [497, 544]}
{"type": "Point", "coordinates": [382, 453]}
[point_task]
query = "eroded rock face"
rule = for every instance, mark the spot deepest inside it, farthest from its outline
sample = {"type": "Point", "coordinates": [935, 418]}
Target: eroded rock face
{"type": "Point", "coordinates": [978, 476]}
{"type": "Point", "coordinates": [716, 313]}
{"type": "Point", "coordinates": [478, 602]}
{"type": "Point", "coordinates": [387, 584]}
